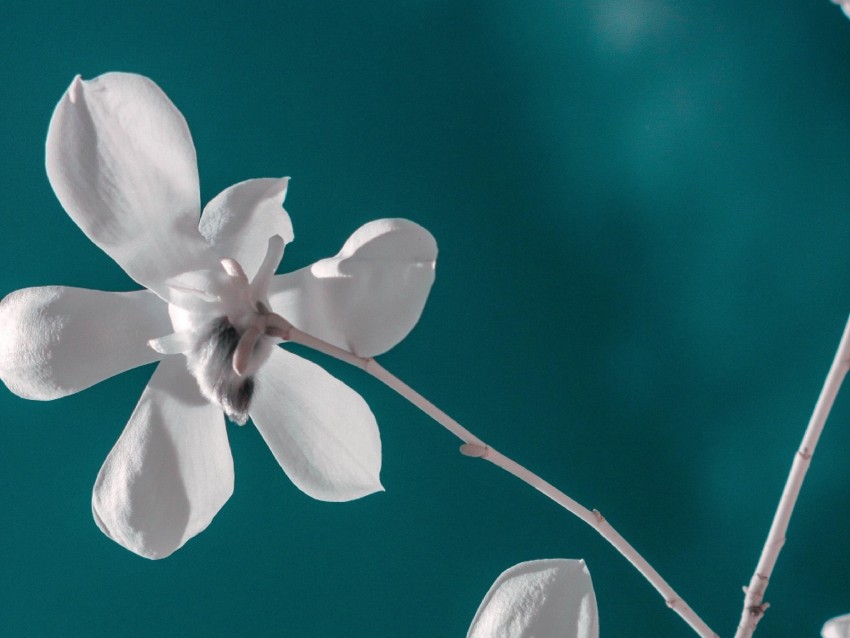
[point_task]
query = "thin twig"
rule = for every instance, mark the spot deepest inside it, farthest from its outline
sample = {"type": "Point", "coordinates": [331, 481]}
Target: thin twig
{"type": "Point", "coordinates": [475, 447]}
{"type": "Point", "coordinates": [754, 605]}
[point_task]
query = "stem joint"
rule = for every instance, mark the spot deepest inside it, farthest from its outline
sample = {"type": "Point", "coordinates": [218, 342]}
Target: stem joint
{"type": "Point", "coordinates": [475, 450]}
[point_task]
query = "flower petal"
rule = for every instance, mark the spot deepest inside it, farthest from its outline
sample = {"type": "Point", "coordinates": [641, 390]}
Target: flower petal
{"type": "Point", "coordinates": [121, 160]}
{"type": "Point", "coordinates": [55, 341]}
{"type": "Point", "coordinates": [838, 627]}
{"type": "Point", "coordinates": [239, 221]}
{"type": "Point", "coordinates": [542, 598]}
{"type": "Point", "coordinates": [845, 6]}
{"type": "Point", "coordinates": [170, 471]}
{"type": "Point", "coordinates": [320, 431]}
{"type": "Point", "coordinates": [368, 297]}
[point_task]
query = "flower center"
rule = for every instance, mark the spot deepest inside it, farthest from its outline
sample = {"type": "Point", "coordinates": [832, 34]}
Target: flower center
{"type": "Point", "coordinates": [221, 324]}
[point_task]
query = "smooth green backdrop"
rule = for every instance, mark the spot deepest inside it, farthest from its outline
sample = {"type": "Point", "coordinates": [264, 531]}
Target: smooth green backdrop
{"type": "Point", "coordinates": [643, 213]}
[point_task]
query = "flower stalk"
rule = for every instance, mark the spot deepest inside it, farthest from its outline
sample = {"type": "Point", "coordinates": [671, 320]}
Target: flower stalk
{"type": "Point", "coordinates": [476, 448]}
{"type": "Point", "coordinates": [754, 605]}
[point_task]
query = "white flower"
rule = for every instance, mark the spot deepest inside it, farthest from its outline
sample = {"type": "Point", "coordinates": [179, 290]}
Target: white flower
{"type": "Point", "coordinates": [838, 627]}
{"type": "Point", "coordinates": [122, 163]}
{"type": "Point", "coordinates": [539, 599]}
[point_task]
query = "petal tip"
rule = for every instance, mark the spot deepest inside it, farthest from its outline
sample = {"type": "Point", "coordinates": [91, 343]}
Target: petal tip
{"type": "Point", "coordinates": [376, 487]}
{"type": "Point", "coordinates": [280, 189]}
{"type": "Point", "coordinates": [156, 346]}
{"type": "Point", "coordinates": [75, 88]}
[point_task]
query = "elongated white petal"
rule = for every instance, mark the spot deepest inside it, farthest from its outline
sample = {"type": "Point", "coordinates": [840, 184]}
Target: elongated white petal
{"type": "Point", "coordinates": [170, 471]}
{"type": "Point", "coordinates": [838, 627]}
{"type": "Point", "coordinates": [539, 599]}
{"type": "Point", "coordinates": [368, 297]}
{"type": "Point", "coordinates": [55, 341]}
{"type": "Point", "coordinates": [121, 160]}
{"type": "Point", "coordinates": [239, 221]}
{"type": "Point", "coordinates": [320, 431]}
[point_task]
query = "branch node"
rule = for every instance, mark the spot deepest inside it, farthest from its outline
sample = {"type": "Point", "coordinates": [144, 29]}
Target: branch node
{"type": "Point", "coordinates": [804, 453]}
{"type": "Point", "coordinates": [757, 611]}
{"type": "Point", "coordinates": [474, 450]}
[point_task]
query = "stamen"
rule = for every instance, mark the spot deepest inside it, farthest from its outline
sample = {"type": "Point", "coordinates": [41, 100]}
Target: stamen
{"type": "Point", "coordinates": [263, 278]}
{"type": "Point", "coordinates": [244, 350]}
{"type": "Point", "coordinates": [234, 269]}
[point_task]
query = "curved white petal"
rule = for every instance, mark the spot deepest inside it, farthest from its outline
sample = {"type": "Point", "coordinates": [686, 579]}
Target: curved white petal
{"type": "Point", "coordinates": [55, 341]}
{"type": "Point", "coordinates": [170, 471]}
{"type": "Point", "coordinates": [368, 297]}
{"type": "Point", "coordinates": [539, 599]}
{"type": "Point", "coordinates": [239, 221]}
{"type": "Point", "coordinates": [121, 160]}
{"type": "Point", "coordinates": [320, 431]}
{"type": "Point", "coordinates": [838, 627]}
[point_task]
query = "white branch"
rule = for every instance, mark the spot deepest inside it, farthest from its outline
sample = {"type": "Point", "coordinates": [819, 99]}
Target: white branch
{"type": "Point", "coordinates": [475, 447]}
{"type": "Point", "coordinates": [754, 605]}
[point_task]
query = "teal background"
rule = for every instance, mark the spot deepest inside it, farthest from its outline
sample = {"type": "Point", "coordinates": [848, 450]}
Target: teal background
{"type": "Point", "coordinates": [643, 213]}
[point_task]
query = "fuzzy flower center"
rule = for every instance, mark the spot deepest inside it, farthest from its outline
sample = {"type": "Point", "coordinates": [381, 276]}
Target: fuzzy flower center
{"type": "Point", "coordinates": [223, 326]}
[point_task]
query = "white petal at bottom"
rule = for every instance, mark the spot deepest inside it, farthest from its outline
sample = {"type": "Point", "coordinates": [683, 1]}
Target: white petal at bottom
{"type": "Point", "coordinates": [320, 431]}
{"type": "Point", "coordinates": [539, 599]}
{"type": "Point", "coordinates": [170, 471]}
